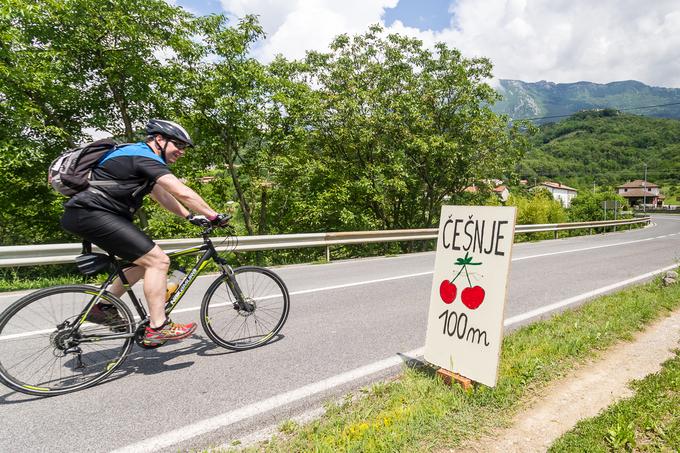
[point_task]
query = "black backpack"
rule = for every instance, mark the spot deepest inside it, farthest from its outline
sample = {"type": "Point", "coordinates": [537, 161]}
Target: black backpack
{"type": "Point", "coordinates": [70, 172]}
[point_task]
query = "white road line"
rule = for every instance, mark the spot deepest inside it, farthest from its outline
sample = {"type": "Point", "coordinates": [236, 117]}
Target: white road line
{"type": "Point", "coordinates": [399, 277]}
{"type": "Point", "coordinates": [329, 288]}
{"type": "Point", "coordinates": [219, 421]}
{"type": "Point", "coordinates": [176, 436]}
{"type": "Point", "coordinates": [520, 258]}
{"type": "Point", "coordinates": [584, 296]}
{"type": "Point", "coordinates": [305, 291]}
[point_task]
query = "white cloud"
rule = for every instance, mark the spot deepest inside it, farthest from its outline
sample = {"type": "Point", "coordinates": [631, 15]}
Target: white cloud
{"type": "Point", "coordinates": [568, 41]}
{"type": "Point", "coordinates": [294, 27]}
{"type": "Point", "coordinates": [557, 40]}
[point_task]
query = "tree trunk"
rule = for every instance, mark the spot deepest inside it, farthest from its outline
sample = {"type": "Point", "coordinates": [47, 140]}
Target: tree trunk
{"type": "Point", "coordinates": [262, 227]}
{"type": "Point", "coordinates": [241, 198]}
{"type": "Point", "coordinates": [119, 99]}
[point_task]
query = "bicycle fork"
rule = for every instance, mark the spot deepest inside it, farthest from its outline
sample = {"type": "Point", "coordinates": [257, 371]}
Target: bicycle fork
{"type": "Point", "coordinates": [232, 284]}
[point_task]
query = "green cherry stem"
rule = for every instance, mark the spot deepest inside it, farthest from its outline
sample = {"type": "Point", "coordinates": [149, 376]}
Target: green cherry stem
{"type": "Point", "coordinates": [464, 262]}
{"type": "Point", "coordinates": [454, 278]}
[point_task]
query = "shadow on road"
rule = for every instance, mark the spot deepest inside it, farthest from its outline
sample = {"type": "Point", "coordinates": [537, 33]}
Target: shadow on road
{"type": "Point", "coordinates": [149, 362]}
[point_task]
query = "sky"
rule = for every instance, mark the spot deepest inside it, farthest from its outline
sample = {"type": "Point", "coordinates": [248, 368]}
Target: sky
{"type": "Point", "coordinates": [559, 41]}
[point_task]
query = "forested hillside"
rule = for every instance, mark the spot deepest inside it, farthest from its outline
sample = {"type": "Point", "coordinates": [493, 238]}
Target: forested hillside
{"type": "Point", "coordinates": [605, 148]}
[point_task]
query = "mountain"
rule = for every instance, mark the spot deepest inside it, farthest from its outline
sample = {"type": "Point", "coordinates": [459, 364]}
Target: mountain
{"type": "Point", "coordinates": [548, 99]}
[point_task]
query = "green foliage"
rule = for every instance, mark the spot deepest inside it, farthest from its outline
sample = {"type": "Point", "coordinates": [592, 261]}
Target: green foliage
{"type": "Point", "coordinates": [606, 150]}
{"type": "Point", "coordinates": [539, 207]}
{"type": "Point", "coordinates": [66, 66]}
{"type": "Point", "coordinates": [587, 206]}
{"type": "Point", "coordinates": [232, 102]}
{"type": "Point", "coordinates": [393, 130]}
{"type": "Point", "coordinates": [376, 133]}
{"type": "Point", "coordinates": [621, 436]}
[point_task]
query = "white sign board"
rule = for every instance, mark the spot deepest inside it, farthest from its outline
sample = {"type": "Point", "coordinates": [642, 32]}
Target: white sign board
{"type": "Point", "coordinates": [467, 301]}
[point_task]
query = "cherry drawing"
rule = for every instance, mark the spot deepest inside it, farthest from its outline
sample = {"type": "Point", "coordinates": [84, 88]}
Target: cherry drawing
{"type": "Point", "coordinates": [447, 291]}
{"type": "Point", "coordinates": [472, 296]}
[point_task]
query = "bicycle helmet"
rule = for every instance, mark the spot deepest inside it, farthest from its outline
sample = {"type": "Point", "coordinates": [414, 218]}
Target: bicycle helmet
{"type": "Point", "coordinates": [170, 130]}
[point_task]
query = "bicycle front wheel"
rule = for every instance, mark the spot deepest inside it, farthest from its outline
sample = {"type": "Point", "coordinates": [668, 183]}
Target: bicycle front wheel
{"type": "Point", "coordinates": [42, 354]}
{"type": "Point", "coordinates": [231, 326]}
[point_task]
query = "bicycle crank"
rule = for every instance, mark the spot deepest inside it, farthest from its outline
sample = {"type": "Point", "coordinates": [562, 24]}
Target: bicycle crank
{"type": "Point", "coordinates": [139, 337]}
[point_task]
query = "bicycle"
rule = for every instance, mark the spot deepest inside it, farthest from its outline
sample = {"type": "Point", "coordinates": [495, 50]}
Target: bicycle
{"type": "Point", "coordinates": [47, 347]}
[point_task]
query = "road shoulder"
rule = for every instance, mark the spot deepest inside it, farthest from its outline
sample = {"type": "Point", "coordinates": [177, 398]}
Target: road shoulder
{"type": "Point", "coordinates": [584, 393]}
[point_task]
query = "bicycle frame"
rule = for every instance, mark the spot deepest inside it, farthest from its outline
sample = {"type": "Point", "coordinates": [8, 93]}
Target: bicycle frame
{"type": "Point", "coordinates": [209, 252]}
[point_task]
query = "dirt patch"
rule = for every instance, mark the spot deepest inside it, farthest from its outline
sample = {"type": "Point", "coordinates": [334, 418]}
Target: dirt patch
{"type": "Point", "coordinates": [584, 393]}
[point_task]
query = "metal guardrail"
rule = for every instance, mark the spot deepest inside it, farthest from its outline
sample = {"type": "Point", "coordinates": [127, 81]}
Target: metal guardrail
{"type": "Point", "coordinates": [32, 255]}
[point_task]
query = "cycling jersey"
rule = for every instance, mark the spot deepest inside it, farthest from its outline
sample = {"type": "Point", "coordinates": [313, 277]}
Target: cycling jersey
{"type": "Point", "coordinates": [132, 171]}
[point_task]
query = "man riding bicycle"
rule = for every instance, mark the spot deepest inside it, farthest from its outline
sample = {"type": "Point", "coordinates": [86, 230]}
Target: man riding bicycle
{"type": "Point", "coordinates": [102, 215]}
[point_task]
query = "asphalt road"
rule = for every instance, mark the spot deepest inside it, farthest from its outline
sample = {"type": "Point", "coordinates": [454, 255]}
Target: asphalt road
{"type": "Point", "coordinates": [348, 322]}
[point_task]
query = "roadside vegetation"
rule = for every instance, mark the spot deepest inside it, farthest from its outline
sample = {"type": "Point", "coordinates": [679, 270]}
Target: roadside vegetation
{"type": "Point", "coordinates": [416, 412]}
{"type": "Point", "coordinates": [649, 421]}
{"type": "Point", "coordinates": [672, 194]}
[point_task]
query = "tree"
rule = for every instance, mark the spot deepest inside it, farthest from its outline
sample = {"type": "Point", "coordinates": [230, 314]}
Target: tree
{"type": "Point", "coordinates": [235, 114]}
{"type": "Point", "coordinates": [395, 129]}
{"type": "Point", "coordinates": [66, 66]}
{"type": "Point", "coordinates": [587, 205]}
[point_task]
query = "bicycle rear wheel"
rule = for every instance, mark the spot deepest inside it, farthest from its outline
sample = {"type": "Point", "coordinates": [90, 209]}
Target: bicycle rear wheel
{"type": "Point", "coordinates": [230, 326]}
{"type": "Point", "coordinates": [40, 355]}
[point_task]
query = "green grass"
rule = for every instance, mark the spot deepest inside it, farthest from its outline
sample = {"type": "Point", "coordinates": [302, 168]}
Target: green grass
{"type": "Point", "coordinates": [672, 200]}
{"type": "Point", "coordinates": [672, 194]}
{"type": "Point", "coordinates": [648, 421]}
{"type": "Point", "coordinates": [416, 412]}
{"type": "Point", "coordinates": [36, 277]}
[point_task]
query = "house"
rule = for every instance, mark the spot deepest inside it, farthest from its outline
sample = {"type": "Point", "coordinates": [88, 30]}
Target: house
{"type": "Point", "coordinates": [502, 192]}
{"type": "Point", "coordinates": [560, 192]}
{"type": "Point", "coordinates": [496, 187]}
{"type": "Point", "coordinates": [638, 192]}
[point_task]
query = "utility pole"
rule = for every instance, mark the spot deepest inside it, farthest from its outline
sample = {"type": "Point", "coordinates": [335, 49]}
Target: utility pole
{"type": "Point", "coordinates": [644, 192]}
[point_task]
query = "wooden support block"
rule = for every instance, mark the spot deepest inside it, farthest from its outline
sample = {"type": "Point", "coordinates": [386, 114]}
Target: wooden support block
{"type": "Point", "coordinates": [449, 378]}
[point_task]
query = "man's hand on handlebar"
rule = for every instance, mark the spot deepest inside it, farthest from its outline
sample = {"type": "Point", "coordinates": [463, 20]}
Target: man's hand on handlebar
{"type": "Point", "coordinates": [220, 220]}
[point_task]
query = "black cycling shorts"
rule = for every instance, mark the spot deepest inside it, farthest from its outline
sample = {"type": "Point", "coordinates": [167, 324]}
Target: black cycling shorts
{"type": "Point", "coordinates": [108, 231]}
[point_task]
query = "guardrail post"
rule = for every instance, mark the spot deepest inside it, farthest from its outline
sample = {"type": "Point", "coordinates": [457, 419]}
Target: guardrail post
{"type": "Point", "coordinates": [328, 253]}
{"type": "Point", "coordinates": [557, 234]}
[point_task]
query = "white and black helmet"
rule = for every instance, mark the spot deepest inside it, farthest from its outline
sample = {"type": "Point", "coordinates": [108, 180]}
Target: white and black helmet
{"type": "Point", "coordinates": [168, 129]}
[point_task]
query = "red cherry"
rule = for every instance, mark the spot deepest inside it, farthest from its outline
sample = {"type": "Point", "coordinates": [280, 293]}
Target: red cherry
{"type": "Point", "coordinates": [472, 297]}
{"type": "Point", "coordinates": [447, 291]}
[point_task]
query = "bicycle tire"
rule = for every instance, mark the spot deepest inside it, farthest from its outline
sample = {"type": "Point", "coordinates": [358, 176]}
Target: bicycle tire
{"type": "Point", "coordinates": [32, 324]}
{"type": "Point", "coordinates": [253, 329]}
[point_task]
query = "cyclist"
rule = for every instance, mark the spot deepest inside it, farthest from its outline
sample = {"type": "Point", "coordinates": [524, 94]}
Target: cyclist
{"type": "Point", "coordinates": [103, 214]}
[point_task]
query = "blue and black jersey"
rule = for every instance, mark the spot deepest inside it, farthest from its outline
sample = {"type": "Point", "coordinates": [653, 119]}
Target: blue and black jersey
{"type": "Point", "coordinates": [132, 170]}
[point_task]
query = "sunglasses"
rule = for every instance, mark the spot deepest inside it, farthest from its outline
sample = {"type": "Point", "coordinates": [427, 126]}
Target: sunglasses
{"type": "Point", "coordinates": [179, 145]}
